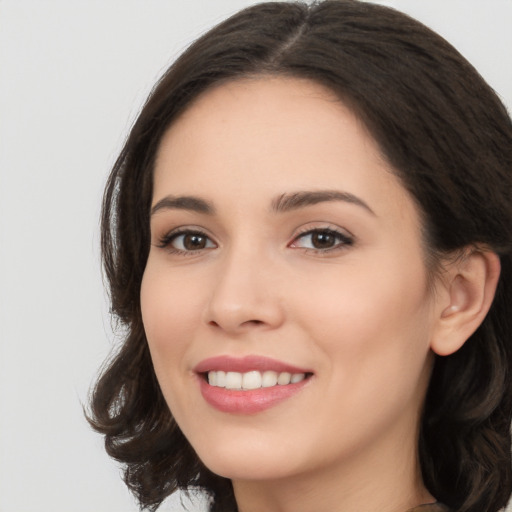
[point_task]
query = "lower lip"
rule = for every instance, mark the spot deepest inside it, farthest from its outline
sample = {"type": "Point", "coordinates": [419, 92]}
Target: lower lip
{"type": "Point", "coordinates": [248, 402]}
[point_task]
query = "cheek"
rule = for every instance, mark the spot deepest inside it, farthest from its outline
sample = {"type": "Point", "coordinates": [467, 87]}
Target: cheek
{"type": "Point", "coordinates": [360, 291]}
{"type": "Point", "coordinates": [170, 314]}
{"type": "Point", "coordinates": [170, 310]}
{"type": "Point", "coordinates": [375, 317]}
{"type": "Point", "coordinates": [374, 333]}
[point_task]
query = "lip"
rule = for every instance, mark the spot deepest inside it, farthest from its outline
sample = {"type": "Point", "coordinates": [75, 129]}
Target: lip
{"type": "Point", "coordinates": [248, 402]}
{"type": "Point", "coordinates": [246, 364]}
{"type": "Point", "coordinates": [251, 401]}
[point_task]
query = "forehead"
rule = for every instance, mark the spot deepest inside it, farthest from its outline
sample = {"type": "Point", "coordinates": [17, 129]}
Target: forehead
{"type": "Point", "coordinates": [267, 135]}
{"type": "Point", "coordinates": [293, 107]}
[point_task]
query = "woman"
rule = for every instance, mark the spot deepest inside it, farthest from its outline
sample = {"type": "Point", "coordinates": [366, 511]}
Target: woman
{"type": "Point", "coordinates": [307, 238]}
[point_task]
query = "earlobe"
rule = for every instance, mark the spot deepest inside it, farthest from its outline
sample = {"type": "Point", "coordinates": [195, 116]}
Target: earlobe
{"type": "Point", "coordinates": [469, 287]}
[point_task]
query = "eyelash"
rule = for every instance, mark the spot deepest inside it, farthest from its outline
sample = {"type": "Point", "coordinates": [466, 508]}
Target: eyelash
{"type": "Point", "coordinates": [166, 241]}
{"type": "Point", "coordinates": [342, 241]}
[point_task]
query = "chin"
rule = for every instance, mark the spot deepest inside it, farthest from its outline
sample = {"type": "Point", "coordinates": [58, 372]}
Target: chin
{"type": "Point", "coordinates": [241, 459]}
{"type": "Point", "coordinates": [247, 468]}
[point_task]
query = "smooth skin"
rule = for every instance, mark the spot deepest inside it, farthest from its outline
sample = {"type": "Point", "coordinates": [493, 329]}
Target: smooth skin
{"type": "Point", "coordinates": [255, 262]}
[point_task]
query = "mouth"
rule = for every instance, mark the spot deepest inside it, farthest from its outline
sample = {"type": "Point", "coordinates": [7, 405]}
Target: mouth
{"type": "Point", "coordinates": [249, 385]}
{"type": "Point", "coordinates": [251, 380]}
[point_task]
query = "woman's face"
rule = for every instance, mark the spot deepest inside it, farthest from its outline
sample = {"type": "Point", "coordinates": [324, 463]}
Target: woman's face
{"type": "Point", "coordinates": [283, 248]}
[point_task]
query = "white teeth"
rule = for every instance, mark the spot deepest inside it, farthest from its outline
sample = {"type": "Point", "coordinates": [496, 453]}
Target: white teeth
{"type": "Point", "coordinates": [221, 379]}
{"type": "Point", "coordinates": [297, 377]}
{"type": "Point", "coordinates": [269, 379]}
{"type": "Point", "coordinates": [212, 378]}
{"type": "Point", "coordinates": [284, 378]}
{"type": "Point", "coordinates": [233, 380]}
{"type": "Point", "coordinates": [253, 379]}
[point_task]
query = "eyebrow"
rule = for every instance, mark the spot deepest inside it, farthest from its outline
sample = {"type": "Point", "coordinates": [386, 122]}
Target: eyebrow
{"type": "Point", "coordinates": [296, 200]}
{"type": "Point", "coordinates": [283, 203]}
{"type": "Point", "coordinates": [191, 203]}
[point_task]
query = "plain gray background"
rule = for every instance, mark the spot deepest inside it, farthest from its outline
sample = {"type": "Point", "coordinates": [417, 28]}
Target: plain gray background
{"type": "Point", "coordinates": [73, 75]}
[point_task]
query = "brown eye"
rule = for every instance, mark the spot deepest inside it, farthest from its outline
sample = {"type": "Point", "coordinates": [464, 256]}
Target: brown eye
{"type": "Point", "coordinates": [322, 240]}
{"type": "Point", "coordinates": [193, 242]}
{"type": "Point", "coordinates": [187, 241]}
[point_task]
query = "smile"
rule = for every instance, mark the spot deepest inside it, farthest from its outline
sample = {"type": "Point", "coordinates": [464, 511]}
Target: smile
{"type": "Point", "coordinates": [248, 385]}
{"type": "Point", "coordinates": [253, 379]}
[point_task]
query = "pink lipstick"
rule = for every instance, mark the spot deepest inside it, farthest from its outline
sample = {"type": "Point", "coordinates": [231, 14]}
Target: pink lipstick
{"type": "Point", "coordinates": [246, 364]}
{"type": "Point", "coordinates": [250, 384]}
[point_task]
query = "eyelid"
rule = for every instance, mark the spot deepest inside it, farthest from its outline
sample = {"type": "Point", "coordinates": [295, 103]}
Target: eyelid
{"type": "Point", "coordinates": [345, 238]}
{"type": "Point", "coordinates": [165, 241]}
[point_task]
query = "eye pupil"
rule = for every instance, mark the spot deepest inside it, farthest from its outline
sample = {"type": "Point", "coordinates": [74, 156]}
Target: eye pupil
{"type": "Point", "coordinates": [194, 241]}
{"type": "Point", "coordinates": [322, 240]}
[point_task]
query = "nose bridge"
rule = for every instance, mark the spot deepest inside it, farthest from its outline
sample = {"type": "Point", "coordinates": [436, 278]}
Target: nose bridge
{"type": "Point", "coordinates": [243, 294]}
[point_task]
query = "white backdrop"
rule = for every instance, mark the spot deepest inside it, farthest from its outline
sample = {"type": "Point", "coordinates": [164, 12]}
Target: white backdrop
{"type": "Point", "coordinates": [73, 74]}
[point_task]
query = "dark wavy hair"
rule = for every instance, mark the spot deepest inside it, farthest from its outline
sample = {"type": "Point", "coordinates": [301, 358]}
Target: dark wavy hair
{"type": "Point", "coordinates": [449, 139]}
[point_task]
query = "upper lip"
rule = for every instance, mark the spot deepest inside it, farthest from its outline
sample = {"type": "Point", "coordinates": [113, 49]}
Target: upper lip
{"type": "Point", "coordinates": [246, 364]}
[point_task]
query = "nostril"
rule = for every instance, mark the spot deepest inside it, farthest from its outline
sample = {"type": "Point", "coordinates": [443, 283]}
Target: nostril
{"type": "Point", "coordinates": [248, 323]}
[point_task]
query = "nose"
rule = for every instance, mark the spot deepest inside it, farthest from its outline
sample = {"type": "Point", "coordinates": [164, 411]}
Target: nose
{"type": "Point", "coordinates": [245, 295]}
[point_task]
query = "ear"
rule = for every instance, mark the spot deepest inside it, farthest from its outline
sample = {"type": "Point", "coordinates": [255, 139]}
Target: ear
{"type": "Point", "coordinates": [466, 294]}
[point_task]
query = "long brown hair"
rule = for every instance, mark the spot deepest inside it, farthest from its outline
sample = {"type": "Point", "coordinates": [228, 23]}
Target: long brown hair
{"type": "Point", "coordinates": [449, 139]}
